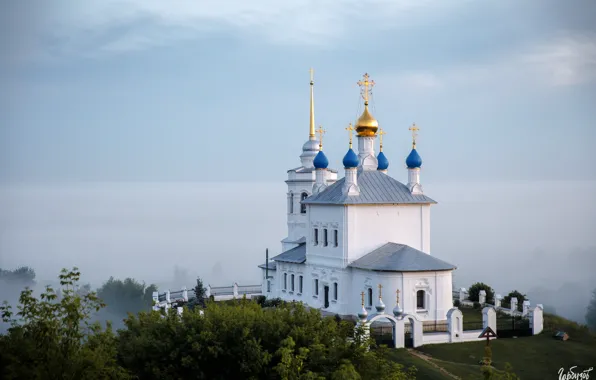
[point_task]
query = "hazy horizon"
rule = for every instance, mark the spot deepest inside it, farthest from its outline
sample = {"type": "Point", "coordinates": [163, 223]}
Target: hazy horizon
{"type": "Point", "coordinates": [512, 235]}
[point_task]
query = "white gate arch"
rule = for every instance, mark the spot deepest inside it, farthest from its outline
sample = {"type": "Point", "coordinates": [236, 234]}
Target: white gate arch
{"type": "Point", "coordinates": [398, 324]}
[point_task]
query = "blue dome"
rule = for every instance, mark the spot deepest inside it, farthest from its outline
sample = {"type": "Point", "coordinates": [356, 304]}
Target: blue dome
{"type": "Point", "coordinates": [383, 161]}
{"type": "Point", "coordinates": [351, 159]}
{"type": "Point", "coordinates": [413, 161]}
{"type": "Point", "coordinates": [321, 161]}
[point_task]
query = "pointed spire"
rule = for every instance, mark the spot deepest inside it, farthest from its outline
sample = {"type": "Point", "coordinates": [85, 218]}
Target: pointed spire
{"type": "Point", "coordinates": [312, 105]}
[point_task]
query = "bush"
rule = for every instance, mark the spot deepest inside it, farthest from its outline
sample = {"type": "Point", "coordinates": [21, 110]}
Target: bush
{"type": "Point", "coordinates": [274, 302]}
{"type": "Point", "coordinates": [456, 303]}
{"type": "Point", "coordinates": [477, 305]}
{"type": "Point", "coordinates": [260, 300]}
{"type": "Point", "coordinates": [520, 299]}
{"type": "Point", "coordinates": [474, 293]}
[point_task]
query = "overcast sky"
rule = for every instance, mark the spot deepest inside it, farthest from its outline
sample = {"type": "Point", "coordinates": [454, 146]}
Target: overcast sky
{"type": "Point", "coordinates": [218, 90]}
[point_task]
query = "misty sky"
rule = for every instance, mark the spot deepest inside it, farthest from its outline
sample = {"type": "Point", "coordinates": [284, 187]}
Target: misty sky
{"type": "Point", "coordinates": [137, 135]}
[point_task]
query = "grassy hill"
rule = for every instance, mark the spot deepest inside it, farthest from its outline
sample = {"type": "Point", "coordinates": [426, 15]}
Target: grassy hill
{"type": "Point", "coordinates": [534, 357]}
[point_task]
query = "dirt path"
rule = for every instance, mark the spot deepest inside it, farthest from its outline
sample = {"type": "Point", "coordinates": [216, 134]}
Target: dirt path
{"type": "Point", "coordinates": [429, 361]}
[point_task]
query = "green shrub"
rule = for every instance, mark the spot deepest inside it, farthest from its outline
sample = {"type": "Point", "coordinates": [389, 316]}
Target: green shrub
{"type": "Point", "coordinates": [456, 303]}
{"type": "Point", "coordinates": [474, 293]}
{"type": "Point", "coordinates": [477, 305]}
{"type": "Point", "coordinates": [520, 299]}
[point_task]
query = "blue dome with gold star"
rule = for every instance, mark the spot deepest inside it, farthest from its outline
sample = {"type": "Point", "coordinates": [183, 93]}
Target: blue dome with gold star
{"type": "Point", "coordinates": [351, 159]}
{"type": "Point", "coordinates": [413, 161]}
{"type": "Point", "coordinates": [383, 162]}
{"type": "Point", "coordinates": [321, 161]}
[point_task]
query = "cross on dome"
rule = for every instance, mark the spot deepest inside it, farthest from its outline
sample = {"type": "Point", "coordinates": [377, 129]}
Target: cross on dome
{"type": "Point", "coordinates": [350, 129]}
{"type": "Point", "coordinates": [414, 130]}
{"type": "Point", "coordinates": [380, 289]}
{"type": "Point", "coordinates": [321, 132]}
{"type": "Point", "coordinates": [381, 133]}
{"type": "Point", "coordinates": [365, 87]}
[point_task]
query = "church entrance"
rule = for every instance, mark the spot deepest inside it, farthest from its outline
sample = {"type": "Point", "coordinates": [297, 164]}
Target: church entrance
{"type": "Point", "coordinates": [326, 292]}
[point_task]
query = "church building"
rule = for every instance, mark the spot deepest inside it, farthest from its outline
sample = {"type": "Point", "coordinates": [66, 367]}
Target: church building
{"type": "Point", "coordinates": [363, 238]}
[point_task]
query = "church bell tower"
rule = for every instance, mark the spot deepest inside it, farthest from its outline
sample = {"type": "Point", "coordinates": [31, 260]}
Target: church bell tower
{"type": "Point", "coordinates": [301, 181]}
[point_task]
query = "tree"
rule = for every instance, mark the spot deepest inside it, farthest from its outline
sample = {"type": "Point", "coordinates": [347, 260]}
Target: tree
{"type": "Point", "coordinates": [123, 297]}
{"type": "Point", "coordinates": [22, 276]}
{"type": "Point", "coordinates": [200, 292]}
{"type": "Point", "coordinates": [520, 299]}
{"type": "Point", "coordinates": [474, 292]}
{"type": "Point", "coordinates": [591, 313]}
{"type": "Point", "coordinates": [288, 342]}
{"type": "Point", "coordinates": [52, 337]}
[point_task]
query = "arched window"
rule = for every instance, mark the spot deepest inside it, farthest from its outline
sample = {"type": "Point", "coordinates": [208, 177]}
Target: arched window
{"type": "Point", "coordinates": [291, 205]}
{"type": "Point", "coordinates": [292, 283]}
{"type": "Point", "coordinates": [370, 297]}
{"type": "Point", "coordinates": [285, 281]}
{"type": "Point", "coordinates": [335, 291]}
{"type": "Point", "coordinates": [302, 205]}
{"type": "Point", "coordinates": [420, 295]}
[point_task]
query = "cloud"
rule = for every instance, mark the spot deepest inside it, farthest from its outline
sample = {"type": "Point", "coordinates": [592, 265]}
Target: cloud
{"type": "Point", "coordinates": [565, 60]}
{"type": "Point", "coordinates": [97, 27]}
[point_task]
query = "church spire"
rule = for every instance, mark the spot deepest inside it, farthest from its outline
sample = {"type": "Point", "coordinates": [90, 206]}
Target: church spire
{"type": "Point", "coordinates": [311, 134]}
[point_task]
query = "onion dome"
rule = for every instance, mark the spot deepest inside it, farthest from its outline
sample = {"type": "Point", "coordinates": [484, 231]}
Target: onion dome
{"type": "Point", "coordinates": [397, 310]}
{"type": "Point", "coordinates": [413, 161]}
{"type": "Point", "coordinates": [380, 307]}
{"type": "Point", "coordinates": [363, 314]}
{"type": "Point", "coordinates": [383, 161]}
{"type": "Point", "coordinates": [321, 161]}
{"type": "Point", "coordinates": [366, 125]}
{"type": "Point", "coordinates": [351, 159]}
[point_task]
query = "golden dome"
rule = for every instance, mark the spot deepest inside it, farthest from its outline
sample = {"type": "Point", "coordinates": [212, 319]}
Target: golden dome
{"type": "Point", "coordinates": [366, 125]}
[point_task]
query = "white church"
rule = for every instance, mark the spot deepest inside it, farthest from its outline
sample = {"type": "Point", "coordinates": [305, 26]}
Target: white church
{"type": "Point", "coordinates": [351, 238]}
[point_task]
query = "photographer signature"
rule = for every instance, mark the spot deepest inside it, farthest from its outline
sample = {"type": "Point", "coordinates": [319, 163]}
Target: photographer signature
{"type": "Point", "coordinates": [571, 375]}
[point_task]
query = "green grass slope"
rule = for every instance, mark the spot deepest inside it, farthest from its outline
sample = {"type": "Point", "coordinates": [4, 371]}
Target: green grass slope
{"type": "Point", "coordinates": [535, 357]}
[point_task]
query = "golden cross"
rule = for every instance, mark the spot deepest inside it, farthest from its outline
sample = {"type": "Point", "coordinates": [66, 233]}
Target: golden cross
{"type": "Point", "coordinates": [364, 87]}
{"type": "Point", "coordinates": [312, 75]}
{"type": "Point", "coordinates": [320, 131]}
{"type": "Point", "coordinates": [397, 292]}
{"type": "Point", "coordinates": [350, 129]}
{"type": "Point", "coordinates": [362, 294]}
{"type": "Point", "coordinates": [381, 133]}
{"type": "Point", "coordinates": [414, 130]}
{"type": "Point", "coordinates": [380, 288]}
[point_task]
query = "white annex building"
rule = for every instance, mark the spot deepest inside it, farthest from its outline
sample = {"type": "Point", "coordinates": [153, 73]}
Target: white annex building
{"type": "Point", "coordinates": [347, 236]}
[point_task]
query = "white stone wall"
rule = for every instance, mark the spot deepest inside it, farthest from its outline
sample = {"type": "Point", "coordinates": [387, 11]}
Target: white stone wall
{"type": "Point", "coordinates": [370, 226]}
{"type": "Point", "coordinates": [364, 228]}
{"type": "Point", "coordinates": [331, 218]}
{"type": "Point", "coordinates": [436, 285]}
{"type": "Point", "coordinates": [299, 183]}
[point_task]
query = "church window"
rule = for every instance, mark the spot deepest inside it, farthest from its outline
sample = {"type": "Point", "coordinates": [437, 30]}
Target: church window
{"type": "Point", "coordinates": [285, 281]}
{"type": "Point", "coordinates": [370, 297]}
{"type": "Point", "coordinates": [300, 281]}
{"type": "Point", "coordinates": [316, 287]}
{"type": "Point", "coordinates": [325, 241]}
{"type": "Point", "coordinates": [302, 205]}
{"type": "Point", "coordinates": [335, 238]}
{"type": "Point", "coordinates": [420, 296]}
{"type": "Point", "coordinates": [291, 203]}
{"type": "Point", "coordinates": [292, 282]}
{"type": "Point", "coordinates": [335, 291]}
{"type": "Point", "coordinates": [316, 231]}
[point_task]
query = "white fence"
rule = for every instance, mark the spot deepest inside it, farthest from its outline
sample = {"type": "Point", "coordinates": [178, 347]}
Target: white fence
{"type": "Point", "coordinates": [217, 293]}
